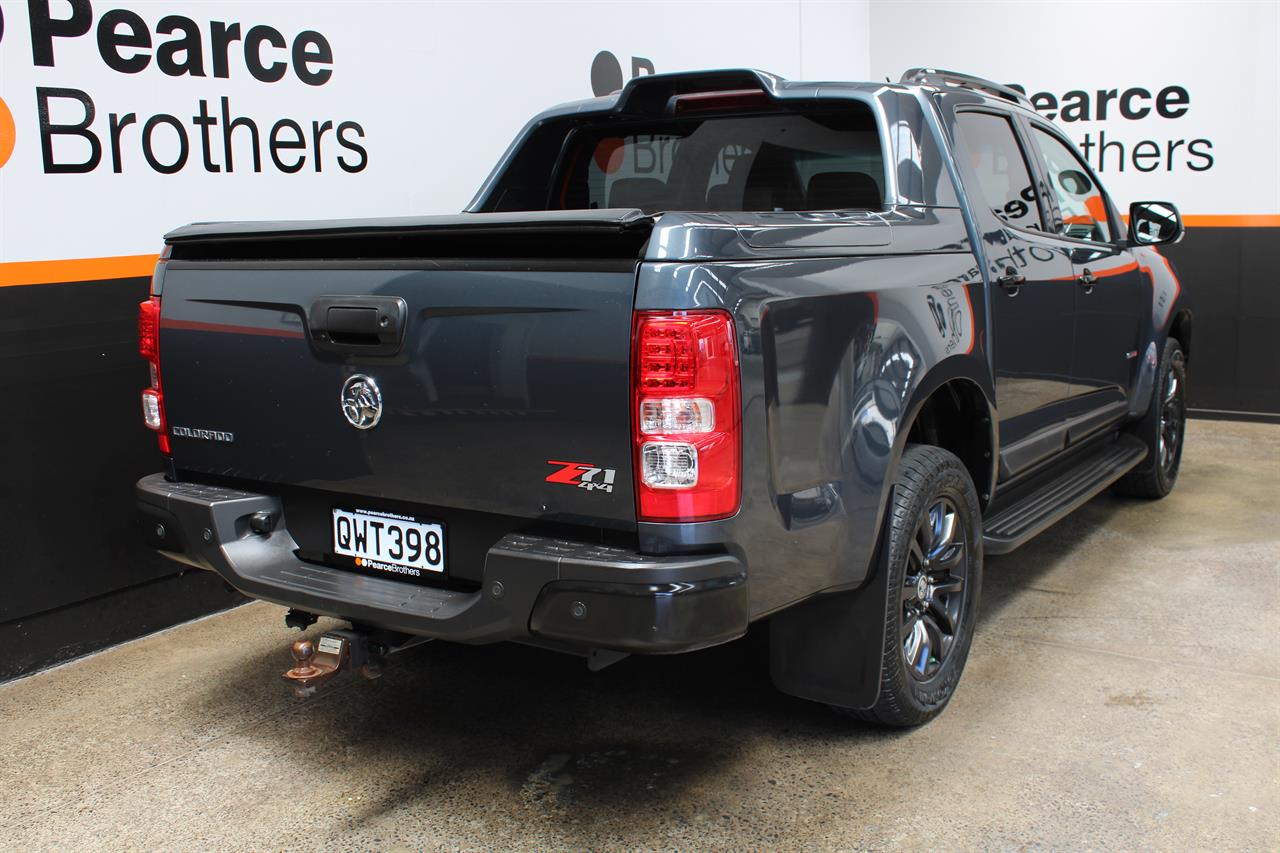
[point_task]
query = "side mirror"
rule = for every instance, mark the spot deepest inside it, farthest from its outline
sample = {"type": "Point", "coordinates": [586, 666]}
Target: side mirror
{"type": "Point", "coordinates": [1152, 223]}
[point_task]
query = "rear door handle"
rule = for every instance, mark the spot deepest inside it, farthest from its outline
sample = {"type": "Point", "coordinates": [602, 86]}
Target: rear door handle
{"type": "Point", "coordinates": [1011, 280]}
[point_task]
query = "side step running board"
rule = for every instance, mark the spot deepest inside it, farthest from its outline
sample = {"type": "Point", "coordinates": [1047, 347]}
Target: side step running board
{"type": "Point", "coordinates": [1013, 525]}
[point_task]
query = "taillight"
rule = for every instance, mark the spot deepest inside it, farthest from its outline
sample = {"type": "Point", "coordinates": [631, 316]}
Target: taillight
{"type": "Point", "coordinates": [149, 348]}
{"type": "Point", "coordinates": [687, 423]}
{"type": "Point", "coordinates": [152, 409]}
{"type": "Point", "coordinates": [149, 329]}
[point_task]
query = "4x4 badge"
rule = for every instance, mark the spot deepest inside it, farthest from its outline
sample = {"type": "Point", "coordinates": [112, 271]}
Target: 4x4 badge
{"type": "Point", "coordinates": [584, 475]}
{"type": "Point", "coordinates": [361, 402]}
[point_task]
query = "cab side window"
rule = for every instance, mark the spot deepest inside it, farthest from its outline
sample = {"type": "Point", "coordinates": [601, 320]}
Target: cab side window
{"type": "Point", "coordinates": [1084, 210]}
{"type": "Point", "coordinates": [1000, 167]}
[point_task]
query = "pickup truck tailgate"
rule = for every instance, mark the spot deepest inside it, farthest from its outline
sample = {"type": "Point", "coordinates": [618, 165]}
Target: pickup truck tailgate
{"type": "Point", "coordinates": [505, 368]}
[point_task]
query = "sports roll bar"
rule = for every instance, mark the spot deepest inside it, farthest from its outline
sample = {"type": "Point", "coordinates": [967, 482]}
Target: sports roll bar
{"type": "Point", "coordinates": [939, 77]}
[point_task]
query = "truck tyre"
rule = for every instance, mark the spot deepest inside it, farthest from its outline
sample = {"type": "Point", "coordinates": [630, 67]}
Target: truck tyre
{"type": "Point", "coordinates": [935, 576]}
{"type": "Point", "coordinates": [1162, 429]}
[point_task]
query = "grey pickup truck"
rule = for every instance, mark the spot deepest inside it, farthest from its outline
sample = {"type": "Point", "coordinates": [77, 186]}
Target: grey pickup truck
{"type": "Point", "coordinates": [717, 349]}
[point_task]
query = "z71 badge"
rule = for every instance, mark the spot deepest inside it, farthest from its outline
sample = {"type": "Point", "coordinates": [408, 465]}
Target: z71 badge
{"type": "Point", "coordinates": [584, 475]}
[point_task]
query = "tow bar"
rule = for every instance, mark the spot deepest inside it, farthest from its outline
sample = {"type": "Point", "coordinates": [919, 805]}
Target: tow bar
{"type": "Point", "coordinates": [351, 649]}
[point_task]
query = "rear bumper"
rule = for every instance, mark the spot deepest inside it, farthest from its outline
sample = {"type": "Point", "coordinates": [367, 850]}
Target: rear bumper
{"type": "Point", "coordinates": [573, 593]}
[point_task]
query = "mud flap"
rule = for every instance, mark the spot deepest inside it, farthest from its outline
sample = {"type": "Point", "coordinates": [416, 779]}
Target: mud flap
{"type": "Point", "coordinates": [831, 648]}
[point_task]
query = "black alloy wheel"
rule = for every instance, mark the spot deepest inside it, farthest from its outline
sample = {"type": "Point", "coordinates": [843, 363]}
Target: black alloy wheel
{"type": "Point", "coordinates": [1172, 415]}
{"type": "Point", "coordinates": [933, 590]}
{"type": "Point", "coordinates": [1163, 429]}
{"type": "Point", "coordinates": [934, 580]}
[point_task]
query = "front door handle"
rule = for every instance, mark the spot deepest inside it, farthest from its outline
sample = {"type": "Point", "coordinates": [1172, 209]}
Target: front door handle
{"type": "Point", "coordinates": [1011, 280]}
{"type": "Point", "coordinates": [1087, 280]}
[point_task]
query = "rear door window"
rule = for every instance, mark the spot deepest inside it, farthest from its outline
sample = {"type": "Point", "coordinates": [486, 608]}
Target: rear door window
{"type": "Point", "coordinates": [1001, 169]}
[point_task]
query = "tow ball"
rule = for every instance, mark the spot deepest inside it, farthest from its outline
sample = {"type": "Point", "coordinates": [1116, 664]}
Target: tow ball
{"type": "Point", "coordinates": [319, 662]}
{"type": "Point", "coordinates": [357, 649]}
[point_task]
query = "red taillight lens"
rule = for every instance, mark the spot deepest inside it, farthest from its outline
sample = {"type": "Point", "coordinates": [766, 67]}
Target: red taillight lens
{"type": "Point", "coordinates": [149, 328]}
{"type": "Point", "coordinates": [686, 420]}
{"type": "Point", "coordinates": [149, 348]}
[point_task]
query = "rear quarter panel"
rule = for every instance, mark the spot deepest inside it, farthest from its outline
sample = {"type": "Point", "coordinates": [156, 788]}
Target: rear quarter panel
{"type": "Point", "coordinates": [834, 352]}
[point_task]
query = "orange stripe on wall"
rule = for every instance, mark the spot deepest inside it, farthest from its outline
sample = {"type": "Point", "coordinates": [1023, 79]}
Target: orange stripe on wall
{"type": "Point", "coordinates": [1227, 220]}
{"type": "Point", "coordinates": [1246, 220]}
{"type": "Point", "coordinates": [79, 269]}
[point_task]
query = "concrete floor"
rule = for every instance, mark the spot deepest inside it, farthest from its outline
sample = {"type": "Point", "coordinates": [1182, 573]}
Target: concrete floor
{"type": "Point", "coordinates": [1123, 693]}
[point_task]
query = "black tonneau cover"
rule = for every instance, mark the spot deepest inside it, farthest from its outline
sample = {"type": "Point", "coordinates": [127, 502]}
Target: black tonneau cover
{"type": "Point", "coordinates": [619, 233]}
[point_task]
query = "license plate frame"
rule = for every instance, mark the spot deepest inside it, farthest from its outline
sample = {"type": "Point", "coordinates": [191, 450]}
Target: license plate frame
{"type": "Point", "coordinates": [367, 544]}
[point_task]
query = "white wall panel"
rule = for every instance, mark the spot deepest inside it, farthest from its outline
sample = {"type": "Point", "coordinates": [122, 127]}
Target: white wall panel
{"type": "Point", "coordinates": [835, 39]}
{"type": "Point", "coordinates": [1223, 54]}
{"type": "Point", "coordinates": [438, 89]}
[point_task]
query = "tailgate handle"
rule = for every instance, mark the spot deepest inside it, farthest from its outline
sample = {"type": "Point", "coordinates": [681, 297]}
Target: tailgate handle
{"type": "Point", "coordinates": [358, 325]}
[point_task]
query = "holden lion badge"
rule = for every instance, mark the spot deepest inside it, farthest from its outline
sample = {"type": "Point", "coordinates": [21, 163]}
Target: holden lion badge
{"type": "Point", "coordinates": [361, 402]}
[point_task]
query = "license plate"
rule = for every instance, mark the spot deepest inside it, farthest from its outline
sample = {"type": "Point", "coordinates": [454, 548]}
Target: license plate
{"type": "Point", "coordinates": [385, 542]}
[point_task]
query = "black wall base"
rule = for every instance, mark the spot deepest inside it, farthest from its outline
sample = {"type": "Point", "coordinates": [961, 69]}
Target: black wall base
{"type": "Point", "coordinates": [49, 638]}
{"type": "Point", "coordinates": [1231, 278]}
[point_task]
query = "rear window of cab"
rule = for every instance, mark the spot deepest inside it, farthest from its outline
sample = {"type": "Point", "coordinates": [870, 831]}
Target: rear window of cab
{"type": "Point", "coordinates": [772, 161]}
